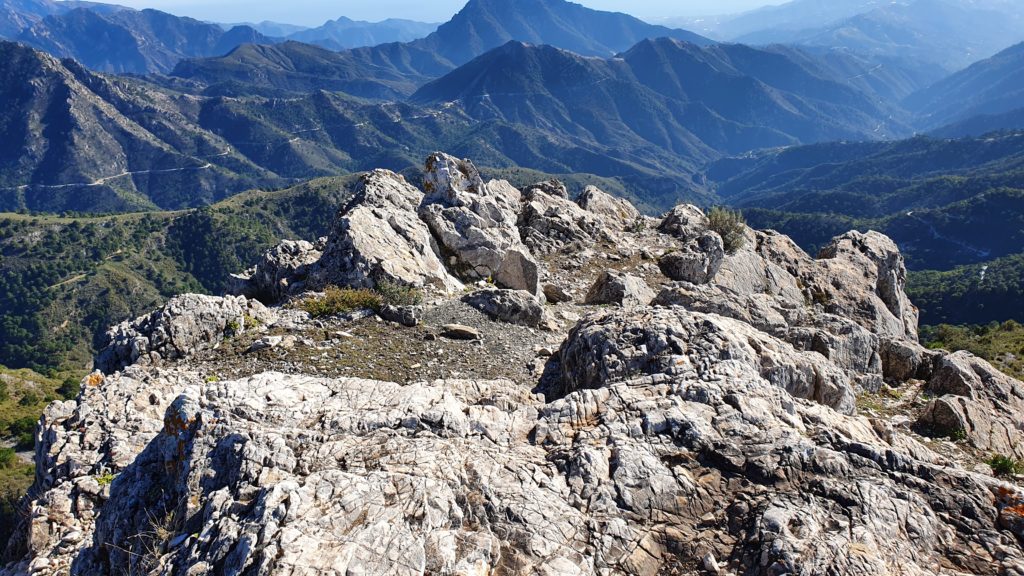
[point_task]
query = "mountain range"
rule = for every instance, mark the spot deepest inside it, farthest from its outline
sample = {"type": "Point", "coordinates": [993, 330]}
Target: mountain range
{"type": "Point", "coordinates": [768, 129]}
{"type": "Point", "coordinates": [634, 117]}
{"type": "Point", "coordinates": [947, 202]}
{"type": "Point", "coordinates": [132, 41]}
{"type": "Point", "coordinates": [936, 36]}
{"type": "Point", "coordinates": [151, 41]}
{"type": "Point", "coordinates": [991, 87]}
{"type": "Point", "coordinates": [347, 33]}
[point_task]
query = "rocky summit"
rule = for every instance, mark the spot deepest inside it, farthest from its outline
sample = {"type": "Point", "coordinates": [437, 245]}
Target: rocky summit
{"type": "Point", "coordinates": [468, 378]}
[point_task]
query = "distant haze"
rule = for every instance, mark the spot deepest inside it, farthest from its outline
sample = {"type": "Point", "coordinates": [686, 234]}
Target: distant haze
{"type": "Point", "coordinates": [315, 12]}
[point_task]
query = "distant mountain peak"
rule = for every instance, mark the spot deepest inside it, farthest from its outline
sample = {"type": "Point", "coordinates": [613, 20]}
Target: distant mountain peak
{"type": "Point", "coordinates": [482, 25]}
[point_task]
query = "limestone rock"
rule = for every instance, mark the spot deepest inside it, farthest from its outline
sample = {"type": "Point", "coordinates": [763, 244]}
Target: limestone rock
{"type": "Point", "coordinates": [903, 360]}
{"type": "Point", "coordinates": [282, 271]}
{"type": "Point", "coordinates": [553, 187]}
{"type": "Point", "coordinates": [408, 316]}
{"type": "Point", "coordinates": [271, 342]}
{"type": "Point", "coordinates": [379, 238]}
{"type": "Point", "coordinates": [518, 271]}
{"type": "Point", "coordinates": [184, 326]}
{"type": "Point", "coordinates": [613, 287]}
{"type": "Point", "coordinates": [773, 285]}
{"type": "Point", "coordinates": [976, 402]}
{"type": "Point", "coordinates": [511, 306]}
{"type": "Point", "coordinates": [550, 224]}
{"type": "Point", "coordinates": [687, 453]}
{"type": "Point", "coordinates": [697, 262]}
{"type": "Point", "coordinates": [693, 346]}
{"type": "Point", "coordinates": [617, 213]}
{"type": "Point", "coordinates": [853, 257]}
{"type": "Point", "coordinates": [475, 224]}
{"type": "Point", "coordinates": [684, 222]}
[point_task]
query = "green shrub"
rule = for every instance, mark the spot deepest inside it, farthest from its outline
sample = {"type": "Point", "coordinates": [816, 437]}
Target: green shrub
{"type": "Point", "coordinates": [730, 225]}
{"type": "Point", "coordinates": [23, 425]}
{"type": "Point", "coordinates": [70, 388]}
{"type": "Point", "coordinates": [29, 399]}
{"type": "Point", "coordinates": [340, 301]}
{"type": "Point", "coordinates": [7, 457]}
{"type": "Point", "coordinates": [1005, 465]}
{"type": "Point", "coordinates": [398, 294]}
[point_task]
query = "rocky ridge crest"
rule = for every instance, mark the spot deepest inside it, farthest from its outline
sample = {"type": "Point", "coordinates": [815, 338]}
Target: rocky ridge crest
{"type": "Point", "coordinates": [672, 409]}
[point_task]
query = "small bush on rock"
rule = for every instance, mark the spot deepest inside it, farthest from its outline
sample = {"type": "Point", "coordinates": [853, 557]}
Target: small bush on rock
{"type": "Point", "coordinates": [342, 300]}
{"type": "Point", "coordinates": [399, 295]}
{"type": "Point", "coordinates": [730, 225]}
{"type": "Point", "coordinates": [1005, 465]}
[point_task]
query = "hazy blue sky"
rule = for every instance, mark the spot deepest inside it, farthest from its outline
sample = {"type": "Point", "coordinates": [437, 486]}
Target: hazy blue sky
{"type": "Point", "coordinates": [317, 11]}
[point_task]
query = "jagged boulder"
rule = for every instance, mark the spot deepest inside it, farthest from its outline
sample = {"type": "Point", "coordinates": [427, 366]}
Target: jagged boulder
{"type": "Point", "coordinates": [685, 222]}
{"type": "Point", "coordinates": [281, 272]}
{"type": "Point", "coordinates": [553, 187]}
{"type": "Point", "coordinates": [475, 224]}
{"type": "Point", "coordinates": [975, 402]}
{"type": "Point", "coordinates": [511, 306]}
{"type": "Point", "coordinates": [550, 223]}
{"type": "Point", "coordinates": [626, 290]}
{"type": "Point", "coordinates": [697, 262]}
{"type": "Point", "coordinates": [691, 346]}
{"type": "Point", "coordinates": [865, 278]}
{"type": "Point", "coordinates": [186, 325]}
{"type": "Point", "coordinates": [617, 213]}
{"type": "Point", "coordinates": [379, 238]}
{"type": "Point", "coordinates": [904, 359]}
{"type": "Point", "coordinates": [773, 285]}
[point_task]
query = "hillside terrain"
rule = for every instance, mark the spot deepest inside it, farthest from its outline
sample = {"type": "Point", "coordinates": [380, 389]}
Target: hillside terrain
{"type": "Point", "coordinates": [1002, 344]}
{"type": "Point", "coordinates": [134, 41]}
{"type": "Point", "coordinates": [947, 202]}
{"type": "Point", "coordinates": [991, 87]}
{"type": "Point", "coordinates": [937, 36]}
{"type": "Point", "coordinates": [98, 270]}
{"type": "Point", "coordinates": [694, 307]}
{"type": "Point", "coordinates": [421, 399]}
{"type": "Point", "coordinates": [79, 141]}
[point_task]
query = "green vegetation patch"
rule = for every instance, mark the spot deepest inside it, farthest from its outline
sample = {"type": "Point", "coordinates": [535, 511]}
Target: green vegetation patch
{"type": "Point", "coordinates": [1005, 466]}
{"type": "Point", "coordinates": [341, 301]}
{"type": "Point", "coordinates": [730, 225]}
{"type": "Point", "coordinates": [64, 281]}
{"type": "Point", "coordinates": [1001, 344]}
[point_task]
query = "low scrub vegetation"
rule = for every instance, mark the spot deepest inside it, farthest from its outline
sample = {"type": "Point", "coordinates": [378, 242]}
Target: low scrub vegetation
{"type": "Point", "coordinates": [337, 300]}
{"type": "Point", "coordinates": [399, 295]}
{"type": "Point", "coordinates": [341, 301]}
{"type": "Point", "coordinates": [730, 225]}
{"type": "Point", "coordinates": [1005, 465]}
{"type": "Point", "coordinates": [1001, 344]}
